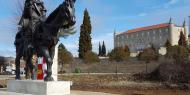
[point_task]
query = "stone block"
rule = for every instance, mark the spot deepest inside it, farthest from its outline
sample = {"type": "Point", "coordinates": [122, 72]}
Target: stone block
{"type": "Point", "coordinates": [39, 87]}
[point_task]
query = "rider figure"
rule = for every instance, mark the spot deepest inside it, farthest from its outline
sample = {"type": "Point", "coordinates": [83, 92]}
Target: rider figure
{"type": "Point", "coordinates": [33, 13]}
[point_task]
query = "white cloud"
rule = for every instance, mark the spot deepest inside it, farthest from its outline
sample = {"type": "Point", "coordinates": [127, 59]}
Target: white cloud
{"type": "Point", "coordinates": [173, 2]}
{"type": "Point", "coordinates": [142, 14]}
{"type": "Point", "coordinates": [170, 3]}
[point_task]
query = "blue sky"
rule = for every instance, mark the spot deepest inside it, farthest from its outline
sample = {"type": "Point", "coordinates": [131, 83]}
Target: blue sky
{"type": "Point", "coordinates": [106, 16]}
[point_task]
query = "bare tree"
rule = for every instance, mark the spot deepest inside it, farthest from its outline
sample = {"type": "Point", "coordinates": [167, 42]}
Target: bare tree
{"type": "Point", "coordinates": [17, 7]}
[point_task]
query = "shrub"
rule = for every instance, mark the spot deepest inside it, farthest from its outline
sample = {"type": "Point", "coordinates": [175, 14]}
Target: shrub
{"type": "Point", "coordinates": [91, 57]}
{"type": "Point", "coordinates": [64, 56]}
{"type": "Point", "coordinates": [61, 72]}
{"type": "Point", "coordinates": [77, 70]}
{"type": "Point", "coordinates": [178, 53]}
{"type": "Point", "coordinates": [148, 55]}
{"type": "Point", "coordinates": [174, 72]}
{"type": "Point", "coordinates": [168, 71]}
{"type": "Point", "coordinates": [119, 54]}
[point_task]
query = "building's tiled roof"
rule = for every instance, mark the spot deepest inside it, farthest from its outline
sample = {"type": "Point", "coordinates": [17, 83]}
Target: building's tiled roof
{"type": "Point", "coordinates": [163, 25]}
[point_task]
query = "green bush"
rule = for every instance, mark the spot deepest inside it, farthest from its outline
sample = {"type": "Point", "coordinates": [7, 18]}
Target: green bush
{"type": "Point", "coordinates": [91, 57]}
{"type": "Point", "coordinates": [77, 70]}
{"type": "Point", "coordinates": [119, 54]}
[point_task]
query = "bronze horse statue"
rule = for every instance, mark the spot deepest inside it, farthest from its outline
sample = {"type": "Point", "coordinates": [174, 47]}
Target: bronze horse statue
{"type": "Point", "coordinates": [45, 37]}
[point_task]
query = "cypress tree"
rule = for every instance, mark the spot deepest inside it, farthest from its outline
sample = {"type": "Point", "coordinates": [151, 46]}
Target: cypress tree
{"type": "Point", "coordinates": [126, 48]}
{"type": "Point", "coordinates": [100, 50]}
{"type": "Point", "coordinates": [103, 49]}
{"type": "Point", "coordinates": [85, 44]}
{"type": "Point", "coordinates": [167, 44]}
{"type": "Point", "coordinates": [153, 48]}
{"type": "Point", "coordinates": [182, 40]}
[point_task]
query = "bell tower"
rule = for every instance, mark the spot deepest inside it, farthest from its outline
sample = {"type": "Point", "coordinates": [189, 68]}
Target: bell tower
{"type": "Point", "coordinates": [171, 29]}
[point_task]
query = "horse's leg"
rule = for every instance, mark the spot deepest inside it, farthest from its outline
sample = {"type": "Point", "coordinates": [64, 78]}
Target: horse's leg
{"type": "Point", "coordinates": [49, 61]}
{"type": "Point", "coordinates": [27, 71]}
{"type": "Point", "coordinates": [17, 61]}
{"type": "Point", "coordinates": [30, 68]}
{"type": "Point", "coordinates": [52, 52]}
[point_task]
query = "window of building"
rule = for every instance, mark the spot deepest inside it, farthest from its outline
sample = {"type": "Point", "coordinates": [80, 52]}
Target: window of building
{"type": "Point", "coordinates": [160, 31]}
{"type": "Point", "coordinates": [122, 37]}
{"type": "Point", "coordinates": [118, 38]}
{"type": "Point", "coordinates": [154, 37]}
{"type": "Point", "coordinates": [126, 36]}
{"type": "Point", "coordinates": [160, 44]}
{"type": "Point", "coordinates": [154, 32]}
{"type": "Point", "coordinates": [131, 36]}
{"type": "Point", "coordinates": [142, 34]}
{"type": "Point", "coordinates": [166, 30]}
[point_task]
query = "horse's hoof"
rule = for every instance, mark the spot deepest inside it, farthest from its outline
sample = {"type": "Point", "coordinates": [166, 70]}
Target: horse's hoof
{"type": "Point", "coordinates": [48, 79]}
{"type": "Point", "coordinates": [17, 78]}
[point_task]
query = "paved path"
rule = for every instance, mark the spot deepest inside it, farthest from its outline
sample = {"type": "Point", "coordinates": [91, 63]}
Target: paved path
{"type": "Point", "coordinates": [89, 93]}
{"type": "Point", "coordinates": [3, 77]}
{"type": "Point", "coordinates": [68, 74]}
{"type": "Point", "coordinates": [72, 93]}
{"type": "Point", "coordinates": [4, 92]}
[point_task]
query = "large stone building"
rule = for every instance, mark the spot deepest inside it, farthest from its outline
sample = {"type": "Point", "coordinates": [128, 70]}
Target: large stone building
{"type": "Point", "coordinates": [156, 35]}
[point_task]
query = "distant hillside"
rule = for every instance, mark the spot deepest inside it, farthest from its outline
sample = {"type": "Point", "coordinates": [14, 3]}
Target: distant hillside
{"type": "Point", "coordinates": [6, 60]}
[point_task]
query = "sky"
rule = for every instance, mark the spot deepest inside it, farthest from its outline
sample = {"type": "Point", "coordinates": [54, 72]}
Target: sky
{"type": "Point", "coordinates": [106, 17]}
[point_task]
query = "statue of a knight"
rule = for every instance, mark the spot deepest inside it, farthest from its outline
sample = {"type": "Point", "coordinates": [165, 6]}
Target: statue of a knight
{"type": "Point", "coordinates": [34, 12]}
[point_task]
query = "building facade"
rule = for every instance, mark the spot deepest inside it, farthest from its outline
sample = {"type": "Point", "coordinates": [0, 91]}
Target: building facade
{"type": "Point", "coordinates": [156, 35]}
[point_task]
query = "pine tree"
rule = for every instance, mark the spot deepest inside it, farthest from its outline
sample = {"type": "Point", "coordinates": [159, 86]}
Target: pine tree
{"type": "Point", "coordinates": [182, 40]}
{"type": "Point", "coordinates": [100, 50]}
{"type": "Point", "coordinates": [103, 49]}
{"type": "Point", "coordinates": [85, 44]}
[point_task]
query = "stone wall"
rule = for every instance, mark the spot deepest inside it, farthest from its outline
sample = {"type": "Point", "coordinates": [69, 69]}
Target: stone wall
{"type": "Point", "coordinates": [137, 41]}
{"type": "Point", "coordinates": [143, 39]}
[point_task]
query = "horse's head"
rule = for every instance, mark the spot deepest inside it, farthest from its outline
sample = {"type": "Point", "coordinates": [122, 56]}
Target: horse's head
{"type": "Point", "coordinates": [62, 19]}
{"type": "Point", "coordinates": [69, 13]}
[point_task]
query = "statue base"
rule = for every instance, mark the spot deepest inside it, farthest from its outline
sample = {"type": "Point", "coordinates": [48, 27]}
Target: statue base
{"type": "Point", "coordinates": [36, 87]}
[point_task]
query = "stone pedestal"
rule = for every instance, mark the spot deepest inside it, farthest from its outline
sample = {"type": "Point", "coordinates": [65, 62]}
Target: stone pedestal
{"type": "Point", "coordinates": [55, 64]}
{"type": "Point", "coordinates": [39, 87]}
